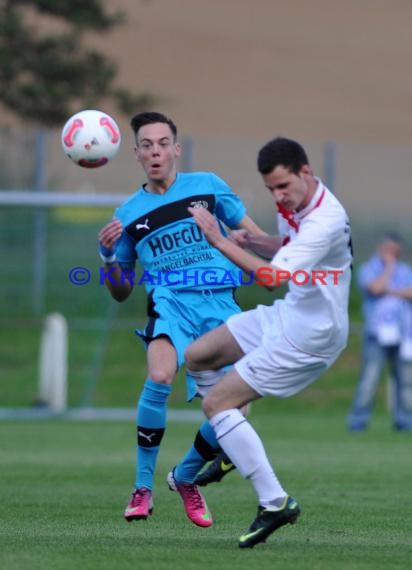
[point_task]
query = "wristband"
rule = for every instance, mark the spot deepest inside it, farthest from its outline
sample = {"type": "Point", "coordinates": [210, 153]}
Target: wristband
{"type": "Point", "coordinates": [107, 255]}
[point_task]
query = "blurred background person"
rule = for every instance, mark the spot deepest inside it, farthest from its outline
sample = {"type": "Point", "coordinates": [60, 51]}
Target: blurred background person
{"type": "Point", "coordinates": [386, 285]}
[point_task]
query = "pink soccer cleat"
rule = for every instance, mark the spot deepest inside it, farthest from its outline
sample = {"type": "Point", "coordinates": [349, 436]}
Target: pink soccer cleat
{"type": "Point", "coordinates": [193, 501]}
{"type": "Point", "coordinates": [140, 505]}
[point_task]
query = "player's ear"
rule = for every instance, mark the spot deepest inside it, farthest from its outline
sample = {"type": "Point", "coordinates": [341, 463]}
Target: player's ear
{"type": "Point", "coordinates": [306, 170]}
{"type": "Point", "coordinates": [178, 149]}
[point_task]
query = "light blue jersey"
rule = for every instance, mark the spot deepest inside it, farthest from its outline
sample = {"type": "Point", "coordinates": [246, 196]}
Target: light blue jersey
{"type": "Point", "coordinates": [160, 232]}
{"type": "Point", "coordinates": [190, 284]}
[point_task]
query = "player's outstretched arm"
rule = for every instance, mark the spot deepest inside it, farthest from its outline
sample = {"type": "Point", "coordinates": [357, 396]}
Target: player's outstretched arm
{"type": "Point", "coordinates": [267, 276]}
{"type": "Point", "coordinates": [251, 236]}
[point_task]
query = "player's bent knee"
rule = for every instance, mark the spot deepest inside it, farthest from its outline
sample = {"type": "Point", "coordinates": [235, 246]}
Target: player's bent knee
{"type": "Point", "coordinates": [161, 376]}
{"type": "Point", "coordinates": [190, 357]}
{"type": "Point", "coordinates": [210, 406]}
{"type": "Point", "coordinates": [206, 408]}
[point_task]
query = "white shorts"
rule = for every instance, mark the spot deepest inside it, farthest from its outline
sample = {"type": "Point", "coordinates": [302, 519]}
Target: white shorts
{"type": "Point", "coordinates": [272, 365]}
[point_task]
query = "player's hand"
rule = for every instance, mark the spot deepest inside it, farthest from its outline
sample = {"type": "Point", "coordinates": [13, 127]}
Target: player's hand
{"type": "Point", "coordinates": [108, 236]}
{"type": "Point", "coordinates": [111, 232]}
{"type": "Point", "coordinates": [208, 224]}
{"type": "Point", "coordinates": [240, 237]}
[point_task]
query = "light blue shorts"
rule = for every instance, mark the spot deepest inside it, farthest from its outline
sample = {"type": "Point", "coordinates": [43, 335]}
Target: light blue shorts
{"type": "Point", "coordinates": [183, 316]}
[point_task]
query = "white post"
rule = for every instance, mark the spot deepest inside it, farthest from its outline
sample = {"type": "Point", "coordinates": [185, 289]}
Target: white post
{"type": "Point", "coordinates": [389, 393]}
{"type": "Point", "coordinates": [53, 363]}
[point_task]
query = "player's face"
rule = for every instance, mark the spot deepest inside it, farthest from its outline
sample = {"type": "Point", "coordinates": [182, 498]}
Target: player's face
{"type": "Point", "coordinates": [157, 151]}
{"type": "Point", "coordinates": [292, 191]}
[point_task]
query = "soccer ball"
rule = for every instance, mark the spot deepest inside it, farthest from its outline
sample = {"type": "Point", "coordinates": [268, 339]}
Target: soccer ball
{"type": "Point", "coordinates": [91, 138]}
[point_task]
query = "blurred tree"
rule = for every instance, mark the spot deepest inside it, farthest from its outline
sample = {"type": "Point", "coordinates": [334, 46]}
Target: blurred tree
{"type": "Point", "coordinates": [45, 76]}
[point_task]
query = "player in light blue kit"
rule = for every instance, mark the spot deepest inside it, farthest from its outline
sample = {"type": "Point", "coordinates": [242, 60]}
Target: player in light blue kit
{"type": "Point", "coordinates": [190, 285]}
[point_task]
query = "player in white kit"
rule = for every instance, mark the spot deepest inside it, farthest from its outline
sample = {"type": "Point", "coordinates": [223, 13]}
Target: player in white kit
{"type": "Point", "coordinates": [277, 350]}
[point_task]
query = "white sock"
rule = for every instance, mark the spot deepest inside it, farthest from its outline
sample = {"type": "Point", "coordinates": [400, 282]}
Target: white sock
{"type": "Point", "coordinates": [205, 379]}
{"type": "Point", "coordinates": [244, 447]}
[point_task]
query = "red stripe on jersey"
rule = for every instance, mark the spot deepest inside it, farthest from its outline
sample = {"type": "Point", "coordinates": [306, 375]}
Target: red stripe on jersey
{"type": "Point", "coordinates": [288, 216]}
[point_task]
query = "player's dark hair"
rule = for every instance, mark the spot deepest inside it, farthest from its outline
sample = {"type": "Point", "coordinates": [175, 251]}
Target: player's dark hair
{"type": "Point", "coordinates": [148, 118]}
{"type": "Point", "coordinates": [281, 152]}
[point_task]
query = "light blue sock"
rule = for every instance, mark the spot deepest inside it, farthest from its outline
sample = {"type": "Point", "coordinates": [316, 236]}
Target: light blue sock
{"type": "Point", "coordinates": [204, 449]}
{"type": "Point", "coordinates": [151, 425]}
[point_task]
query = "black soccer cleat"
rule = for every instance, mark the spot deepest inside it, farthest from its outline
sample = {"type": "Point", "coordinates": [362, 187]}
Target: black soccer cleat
{"type": "Point", "coordinates": [267, 521]}
{"type": "Point", "coordinates": [215, 472]}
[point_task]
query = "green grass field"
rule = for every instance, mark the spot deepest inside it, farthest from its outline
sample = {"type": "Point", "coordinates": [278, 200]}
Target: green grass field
{"type": "Point", "coordinates": [65, 484]}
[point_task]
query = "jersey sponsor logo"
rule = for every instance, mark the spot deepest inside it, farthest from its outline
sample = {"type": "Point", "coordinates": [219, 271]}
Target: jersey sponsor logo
{"type": "Point", "coordinates": [168, 214]}
{"type": "Point", "coordinates": [199, 204]}
{"type": "Point", "coordinates": [143, 226]}
{"type": "Point", "coordinates": [168, 242]}
{"type": "Point", "coordinates": [187, 261]}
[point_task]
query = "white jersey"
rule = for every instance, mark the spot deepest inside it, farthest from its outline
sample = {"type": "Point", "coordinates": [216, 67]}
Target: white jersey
{"type": "Point", "coordinates": [317, 250]}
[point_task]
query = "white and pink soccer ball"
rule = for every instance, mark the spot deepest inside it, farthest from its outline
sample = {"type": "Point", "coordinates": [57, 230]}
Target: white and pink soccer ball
{"type": "Point", "coordinates": [91, 138]}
